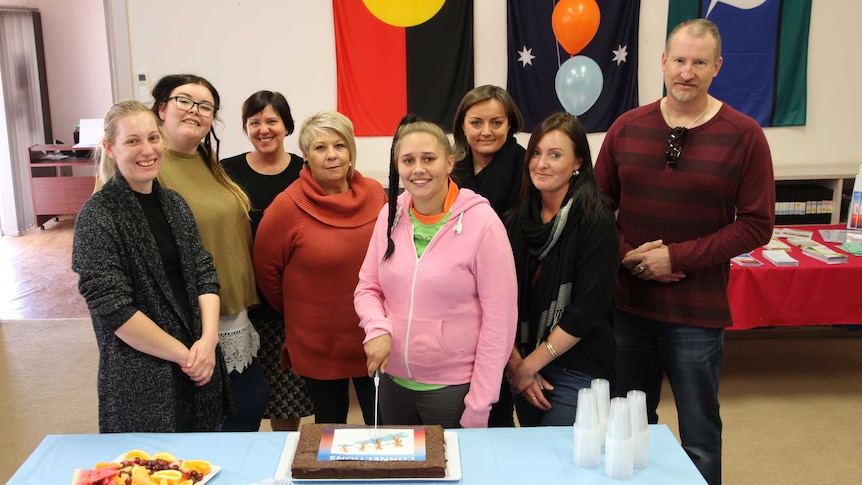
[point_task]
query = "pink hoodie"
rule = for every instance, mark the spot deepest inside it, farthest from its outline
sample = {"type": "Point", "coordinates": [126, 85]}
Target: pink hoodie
{"type": "Point", "coordinates": [452, 313]}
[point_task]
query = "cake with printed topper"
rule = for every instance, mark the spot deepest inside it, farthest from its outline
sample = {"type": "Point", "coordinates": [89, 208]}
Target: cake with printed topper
{"type": "Point", "coordinates": [338, 451]}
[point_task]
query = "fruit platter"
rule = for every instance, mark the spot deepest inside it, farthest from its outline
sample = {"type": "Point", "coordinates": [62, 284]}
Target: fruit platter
{"type": "Point", "coordinates": [137, 467]}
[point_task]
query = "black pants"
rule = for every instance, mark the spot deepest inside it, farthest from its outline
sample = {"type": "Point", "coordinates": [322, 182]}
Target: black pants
{"type": "Point", "coordinates": [331, 398]}
{"type": "Point", "coordinates": [502, 411]}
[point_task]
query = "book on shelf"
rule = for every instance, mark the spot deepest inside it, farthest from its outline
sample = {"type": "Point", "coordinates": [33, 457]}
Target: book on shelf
{"type": "Point", "coordinates": [779, 257]}
{"type": "Point", "coordinates": [825, 254]}
{"type": "Point", "coordinates": [746, 260]}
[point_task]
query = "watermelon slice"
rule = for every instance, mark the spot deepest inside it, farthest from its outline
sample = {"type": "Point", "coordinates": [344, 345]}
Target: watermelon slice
{"type": "Point", "coordinates": [99, 476]}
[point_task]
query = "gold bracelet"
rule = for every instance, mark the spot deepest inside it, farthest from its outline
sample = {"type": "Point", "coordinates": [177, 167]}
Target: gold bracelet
{"type": "Point", "coordinates": [551, 349]}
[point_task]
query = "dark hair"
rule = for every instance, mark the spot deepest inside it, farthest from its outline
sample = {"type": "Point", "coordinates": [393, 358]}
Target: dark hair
{"type": "Point", "coordinates": [583, 188]}
{"type": "Point", "coordinates": [393, 183]}
{"type": "Point", "coordinates": [258, 101]}
{"type": "Point", "coordinates": [477, 95]}
{"type": "Point", "coordinates": [162, 91]}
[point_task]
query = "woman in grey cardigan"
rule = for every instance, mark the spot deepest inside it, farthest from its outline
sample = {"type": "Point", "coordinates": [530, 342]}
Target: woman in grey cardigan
{"type": "Point", "coordinates": [151, 289]}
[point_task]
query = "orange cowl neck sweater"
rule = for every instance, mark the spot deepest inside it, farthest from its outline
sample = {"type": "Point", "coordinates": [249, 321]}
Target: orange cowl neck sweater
{"type": "Point", "coordinates": [307, 253]}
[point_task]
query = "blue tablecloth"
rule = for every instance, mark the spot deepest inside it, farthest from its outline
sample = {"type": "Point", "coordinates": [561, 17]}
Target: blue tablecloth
{"type": "Point", "coordinates": [488, 456]}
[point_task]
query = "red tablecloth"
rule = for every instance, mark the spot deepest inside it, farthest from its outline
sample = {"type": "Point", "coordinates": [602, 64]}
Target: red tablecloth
{"type": "Point", "coordinates": [813, 293]}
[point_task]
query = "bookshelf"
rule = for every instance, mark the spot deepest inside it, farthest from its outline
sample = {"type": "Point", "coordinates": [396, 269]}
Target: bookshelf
{"type": "Point", "coordinates": [62, 178]}
{"type": "Point", "coordinates": [802, 182]}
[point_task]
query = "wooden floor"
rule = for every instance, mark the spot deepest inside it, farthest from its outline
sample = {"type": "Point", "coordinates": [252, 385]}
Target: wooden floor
{"type": "Point", "coordinates": [37, 281]}
{"type": "Point", "coordinates": [791, 398]}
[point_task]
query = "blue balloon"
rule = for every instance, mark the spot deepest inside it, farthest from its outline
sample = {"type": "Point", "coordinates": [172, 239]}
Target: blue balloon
{"type": "Point", "coordinates": [579, 83]}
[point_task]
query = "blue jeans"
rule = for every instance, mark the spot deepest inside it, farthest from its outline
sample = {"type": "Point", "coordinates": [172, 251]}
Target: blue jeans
{"type": "Point", "coordinates": [691, 357]}
{"type": "Point", "coordinates": [563, 399]}
{"type": "Point", "coordinates": [250, 391]}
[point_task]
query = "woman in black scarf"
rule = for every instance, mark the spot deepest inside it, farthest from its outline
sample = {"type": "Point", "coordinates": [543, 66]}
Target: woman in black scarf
{"type": "Point", "coordinates": [566, 250]}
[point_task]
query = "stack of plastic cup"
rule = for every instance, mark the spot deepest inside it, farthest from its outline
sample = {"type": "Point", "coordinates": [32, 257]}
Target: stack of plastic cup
{"type": "Point", "coordinates": [640, 427]}
{"type": "Point", "coordinates": [588, 442]}
{"type": "Point", "coordinates": [619, 448]}
{"type": "Point", "coordinates": [603, 399]}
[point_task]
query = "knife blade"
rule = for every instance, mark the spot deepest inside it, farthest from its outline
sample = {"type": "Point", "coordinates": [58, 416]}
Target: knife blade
{"type": "Point", "coordinates": [376, 398]}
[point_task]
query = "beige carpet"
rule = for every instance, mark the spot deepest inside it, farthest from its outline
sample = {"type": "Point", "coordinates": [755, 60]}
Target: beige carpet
{"type": "Point", "coordinates": [791, 403]}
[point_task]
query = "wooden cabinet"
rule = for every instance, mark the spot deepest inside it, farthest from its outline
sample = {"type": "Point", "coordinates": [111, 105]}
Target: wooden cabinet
{"type": "Point", "coordinates": [62, 178]}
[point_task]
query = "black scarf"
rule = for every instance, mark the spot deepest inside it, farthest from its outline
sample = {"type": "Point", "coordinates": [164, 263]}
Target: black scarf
{"type": "Point", "coordinates": [500, 179]}
{"type": "Point", "coordinates": [540, 278]}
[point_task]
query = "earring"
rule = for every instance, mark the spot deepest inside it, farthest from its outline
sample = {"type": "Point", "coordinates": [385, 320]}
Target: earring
{"type": "Point", "coordinates": [575, 173]}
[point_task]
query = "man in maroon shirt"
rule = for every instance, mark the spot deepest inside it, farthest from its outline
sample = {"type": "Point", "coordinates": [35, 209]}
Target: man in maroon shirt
{"type": "Point", "coordinates": [692, 180]}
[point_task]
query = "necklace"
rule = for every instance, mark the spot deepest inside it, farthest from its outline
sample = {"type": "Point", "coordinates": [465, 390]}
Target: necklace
{"type": "Point", "coordinates": [667, 113]}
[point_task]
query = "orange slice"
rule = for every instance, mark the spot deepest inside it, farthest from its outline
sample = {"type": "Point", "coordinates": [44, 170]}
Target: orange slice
{"type": "Point", "coordinates": [164, 455]}
{"type": "Point", "coordinates": [200, 466]}
{"type": "Point", "coordinates": [172, 476]}
{"type": "Point", "coordinates": [132, 454]}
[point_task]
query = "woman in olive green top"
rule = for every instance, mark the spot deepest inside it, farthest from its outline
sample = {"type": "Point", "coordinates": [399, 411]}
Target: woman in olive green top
{"type": "Point", "coordinates": [187, 105]}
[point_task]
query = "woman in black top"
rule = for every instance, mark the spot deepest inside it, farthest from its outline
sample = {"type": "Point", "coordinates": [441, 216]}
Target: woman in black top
{"type": "Point", "coordinates": [263, 173]}
{"type": "Point", "coordinates": [489, 161]}
{"type": "Point", "coordinates": [566, 250]}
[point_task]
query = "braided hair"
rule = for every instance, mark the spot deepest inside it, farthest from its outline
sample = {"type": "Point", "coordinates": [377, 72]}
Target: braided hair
{"type": "Point", "coordinates": [393, 184]}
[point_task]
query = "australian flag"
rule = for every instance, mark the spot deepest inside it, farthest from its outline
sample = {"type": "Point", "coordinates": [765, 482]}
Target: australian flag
{"type": "Point", "coordinates": [535, 56]}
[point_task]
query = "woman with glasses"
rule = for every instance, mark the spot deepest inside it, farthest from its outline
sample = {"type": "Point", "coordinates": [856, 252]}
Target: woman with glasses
{"type": "Point", "coordinates": [187, 105]}
{"type": "Point", "coordinates": [307, 253]}
{"type": "Point", "coordinates": [263, 173]}
{"type": "Point", "coordinates": [566, 250]}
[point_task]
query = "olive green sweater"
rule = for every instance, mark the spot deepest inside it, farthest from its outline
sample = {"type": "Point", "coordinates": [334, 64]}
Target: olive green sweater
{"type": "Point", "coordinates": [224, 226]}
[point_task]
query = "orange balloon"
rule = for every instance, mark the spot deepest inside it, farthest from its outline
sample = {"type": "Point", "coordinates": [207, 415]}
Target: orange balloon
{"type": "Point", "coordinates": [575, 23]}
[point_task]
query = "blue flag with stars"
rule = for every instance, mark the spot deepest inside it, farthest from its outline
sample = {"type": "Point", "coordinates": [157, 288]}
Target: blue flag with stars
{"type": "Point", "coordinates": [535, 56]}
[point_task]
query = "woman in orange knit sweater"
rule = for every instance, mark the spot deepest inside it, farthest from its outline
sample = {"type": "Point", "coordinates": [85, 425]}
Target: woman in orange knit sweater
{"type": "Point", "coordinates": [307, 253]}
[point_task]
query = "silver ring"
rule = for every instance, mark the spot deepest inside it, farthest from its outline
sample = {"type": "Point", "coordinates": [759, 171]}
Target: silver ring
{"type": "Point", "coordinates": [641, 268]}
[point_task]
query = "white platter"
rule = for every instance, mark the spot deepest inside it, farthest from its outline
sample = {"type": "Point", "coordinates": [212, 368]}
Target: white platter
{"type": "Point", "coordinates": [453, 464]}
{"type": "Point", "coordinates": [214, 469]}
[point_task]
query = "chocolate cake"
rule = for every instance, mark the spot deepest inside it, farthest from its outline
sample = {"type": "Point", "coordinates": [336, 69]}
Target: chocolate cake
{"type": "Point", "coordinates": [306, 464]}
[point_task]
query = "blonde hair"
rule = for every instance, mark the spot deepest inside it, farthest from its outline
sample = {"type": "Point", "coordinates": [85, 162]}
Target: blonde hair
{"type": "Point", "coordinates": [107, 164]}
{"type": "Point", "coordinates": [328, 121]}
{"type": "Point", "coordinates": [422, 127]}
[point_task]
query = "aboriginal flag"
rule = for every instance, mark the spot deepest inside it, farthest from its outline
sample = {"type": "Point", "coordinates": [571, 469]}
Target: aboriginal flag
{"type": "Point", "coordinates": [385, 72]}
{"type": "Point", "coordinates": [535, 57]}
{"type": "Point", "coordinates": [765, 51]}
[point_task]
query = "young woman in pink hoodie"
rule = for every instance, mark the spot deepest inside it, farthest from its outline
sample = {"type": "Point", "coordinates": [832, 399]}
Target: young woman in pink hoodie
{"type": "Point", "coordinates": [437, 292]}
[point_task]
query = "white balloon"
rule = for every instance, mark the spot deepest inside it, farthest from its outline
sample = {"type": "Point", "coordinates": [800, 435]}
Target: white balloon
{"type": "Point", "coordinates": [579, 84]}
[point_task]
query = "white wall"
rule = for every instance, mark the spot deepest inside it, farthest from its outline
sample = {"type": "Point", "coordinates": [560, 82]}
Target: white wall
{"type": "Point", "coordinates": [288, 46]}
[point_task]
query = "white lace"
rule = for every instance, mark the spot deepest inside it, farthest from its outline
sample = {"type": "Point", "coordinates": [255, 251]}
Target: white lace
{"type": "Point", "coordinates": [238, 339]}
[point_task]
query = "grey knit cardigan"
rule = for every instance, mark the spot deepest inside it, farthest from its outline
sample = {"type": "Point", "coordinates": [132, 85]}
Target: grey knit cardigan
{"type": "Point", "coordinates": [120, 272]}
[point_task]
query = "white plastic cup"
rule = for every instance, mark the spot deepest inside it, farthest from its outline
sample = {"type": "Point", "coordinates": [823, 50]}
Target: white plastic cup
{"type": "Point", "coordinates": [640, 427]}
{"type": "Point", "coordinates": [587, 414]}
{"type": "Point", "coordinates": [587, 441]}
{"type": "Point", "coordinates": [603, 398]}
{"type": "Point", "coordinates": [619, 446]}
{"type": "Point", "coordinates": [620, 421]}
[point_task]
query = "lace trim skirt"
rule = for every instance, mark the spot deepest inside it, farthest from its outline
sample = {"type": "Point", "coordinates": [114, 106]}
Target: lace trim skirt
{"type": "Point", "coordinates": [238, 339]}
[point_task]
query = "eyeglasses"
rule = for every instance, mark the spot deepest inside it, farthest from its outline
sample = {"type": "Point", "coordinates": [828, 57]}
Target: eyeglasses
{"type": "Point", "coordinates": [674, 145]}
{"type": "Point", "coordinates": [204, 109]}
